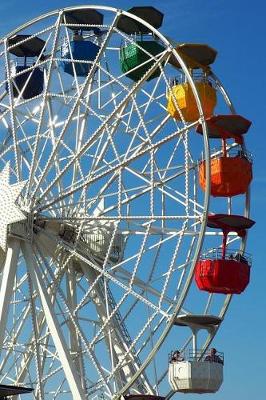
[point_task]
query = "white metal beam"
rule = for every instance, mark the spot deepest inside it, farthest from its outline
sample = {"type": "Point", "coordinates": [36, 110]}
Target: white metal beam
{"type": "Point", "coordinates": [8, 276]}
{"type": "Point", "coordinates": [75, 344]}
{"type": "Point", "coordinates": [53, 324]}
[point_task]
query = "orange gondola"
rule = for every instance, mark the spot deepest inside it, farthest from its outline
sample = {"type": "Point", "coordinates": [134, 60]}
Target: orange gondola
{"type": "Point", "coordinates": [231, 171]}
{"type": "Point", "coordinates": [230, 176]}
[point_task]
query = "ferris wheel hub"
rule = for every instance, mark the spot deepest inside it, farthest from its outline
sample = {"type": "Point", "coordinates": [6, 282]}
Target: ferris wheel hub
{"type": "Point", "coordinates": [9, 211]}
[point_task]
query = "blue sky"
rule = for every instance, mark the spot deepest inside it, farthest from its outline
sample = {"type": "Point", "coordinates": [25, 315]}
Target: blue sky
{"type": "Point", "coordinates": [237, 30]}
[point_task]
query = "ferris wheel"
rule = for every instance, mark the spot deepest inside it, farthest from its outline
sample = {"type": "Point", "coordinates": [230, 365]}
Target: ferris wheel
{"type": "Point", "coordinates": [109, 195]}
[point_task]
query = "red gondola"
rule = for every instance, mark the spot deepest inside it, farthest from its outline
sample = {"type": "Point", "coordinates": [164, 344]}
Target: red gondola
{"type": "Point", "coordinates": [221, 271]}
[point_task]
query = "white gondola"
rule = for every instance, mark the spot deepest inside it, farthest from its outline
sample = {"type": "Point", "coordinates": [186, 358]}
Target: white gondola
{"type": "Point", "coordinates": [196, 374]}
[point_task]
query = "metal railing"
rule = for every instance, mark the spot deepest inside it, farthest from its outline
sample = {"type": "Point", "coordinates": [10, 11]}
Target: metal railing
{"type": "Point", "coordinates": [196, 356]}
{"type": "Point", "coordinates": [22, 62]}
{"type": "Point", "coordinates": [181, 79]}
{"type": "Point", "coordinates": [199, 355]}
{"type": "Point", "coordinates": [231, 152]}
{"type": "Point", "coordinates": [230, 254]}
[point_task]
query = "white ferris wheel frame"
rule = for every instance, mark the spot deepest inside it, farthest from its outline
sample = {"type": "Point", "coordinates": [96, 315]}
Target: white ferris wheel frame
{"type": "Point", "coordinates": [36, 278]}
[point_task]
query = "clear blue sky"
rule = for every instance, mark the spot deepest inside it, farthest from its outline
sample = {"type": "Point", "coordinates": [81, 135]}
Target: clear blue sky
{"type": "Point", "coordinates": [237, 30]}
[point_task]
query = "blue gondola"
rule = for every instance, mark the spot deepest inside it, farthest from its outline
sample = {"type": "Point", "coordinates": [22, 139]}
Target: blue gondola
{"type": "Point", "coordinates": [78, 48]}
{"type": "Point", "coordinates": [25, 81]}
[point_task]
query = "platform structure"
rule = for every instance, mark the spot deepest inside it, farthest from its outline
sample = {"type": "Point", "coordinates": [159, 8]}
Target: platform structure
{"type": "Point", "coordinates": [7, 390]}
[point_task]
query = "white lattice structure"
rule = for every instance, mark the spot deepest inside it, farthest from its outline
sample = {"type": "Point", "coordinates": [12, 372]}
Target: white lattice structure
{"type": "Point", "coordinates": [102, 218]}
